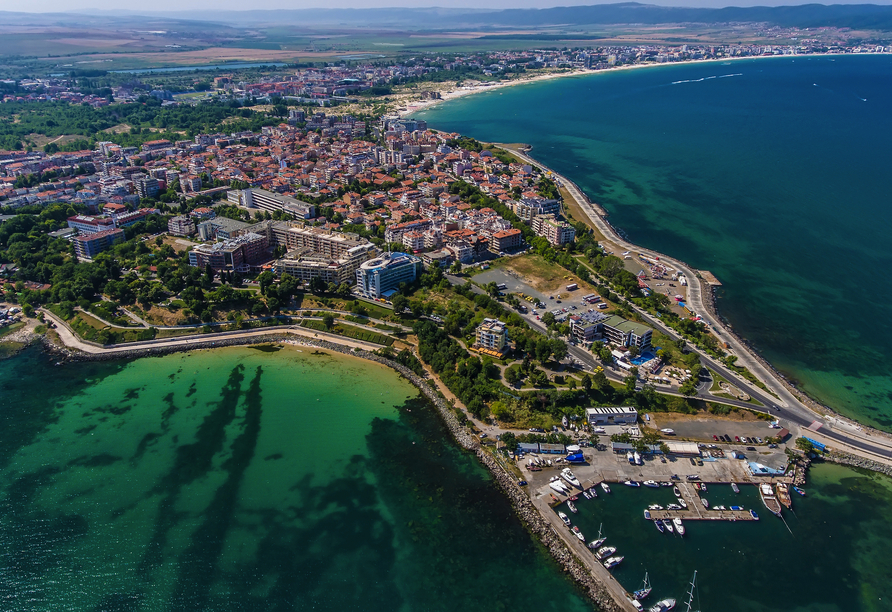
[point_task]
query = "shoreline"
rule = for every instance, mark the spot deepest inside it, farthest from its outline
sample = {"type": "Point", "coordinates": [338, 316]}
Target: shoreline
{"type": "Point", "coordinates": [708, 301]}
{"type": "Point", "coordinates": [450, 95]}
{"type": "Point", "coordinates": [523, 506]}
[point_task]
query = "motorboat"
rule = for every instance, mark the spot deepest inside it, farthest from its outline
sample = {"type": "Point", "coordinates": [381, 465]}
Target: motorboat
{"type": "Point", "coordinates": [647, 515]}
{"type": "Point", "coordinates": [682, 503]}
{"type": "Point", "coordinates": [676, 491]}
{"type": "Point", "coordinates": [613, 562]}
{"type": "Point", "coordinates": [735, 488]}
{"type": "Point", "coordinates": [637, 457]}
{"type": "Point", "coordinates": [768, 498]}
{"type": "Point", "coordinates": [719, 508]}
{"type": "Point", "coordinates": [736, 507]}
{"type": "Point", "coordinates": [800, 491]}
{"type": "Point", "coordinates": [664, 605]}
{"type": "Point", "coordinates": [578, 533]}
{"type": "Point", "coordinates": [703, 487]}
{"type": "Point", "coordinates": [705, 503]}
{"type": "Point", "coordinates": [586, 495]}
{"type": "Point", "coordinates": [631, 483]}
{"type": "Point", "coordinates": [568, 475]}
{"type": "Point", "coordinates": [593, 492]}
{"type": "Point", "coordinates": [644, 591]}
{"type": "Point", "coordinates": [599, 430]}
{"type": "Point", "coordinates": [754, 515]}
{"type": "Point", "coordinates": [558, 487]}
{"type": "Point", "coordinates": [679, 526]}
{"type": "Point", "coordinates": [574, 498]}
{"type": "Point", "coordinates": [630, 457]}
{"type": "Point", "coordinates": [571, 507]}
{"type": "Point", "coordinates": [606, 551]}
{"type": "Point", "coordinates": [668, 431]}
{"type": "Point", "coordinates": [653, 484]}
{"type": "Point", "coordinates": [666, 484]}
{"type": "Point", "coordinates": [673, 507]}
{"type": "Point", "coordinates": [564, 518]}
{"type": "Point", "coordinates": [658, 523]}
{"type": "Point", "coordinates": [667, 524]}
{"type": "Point", "coordinates": [655, 507]}
{"type": "Point", "coordinates": [693, 477]}
{"type": "Point", "coordinates": [606, 487]}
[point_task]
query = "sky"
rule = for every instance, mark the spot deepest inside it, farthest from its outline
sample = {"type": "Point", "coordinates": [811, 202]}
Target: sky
{"type": "Point", "coordinates": [44, 6]}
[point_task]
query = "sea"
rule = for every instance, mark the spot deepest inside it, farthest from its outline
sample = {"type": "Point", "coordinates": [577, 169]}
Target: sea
{"type": "Point", "coordinates": [249, 479]}
{"type": "Point", "coordinates": [273, 478]}
{"type": "Point", "coordinates": [773, 173]}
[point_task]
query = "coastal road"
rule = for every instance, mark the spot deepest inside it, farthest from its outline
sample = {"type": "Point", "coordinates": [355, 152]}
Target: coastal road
{"type": "Point", "coordinates": [794, 410]}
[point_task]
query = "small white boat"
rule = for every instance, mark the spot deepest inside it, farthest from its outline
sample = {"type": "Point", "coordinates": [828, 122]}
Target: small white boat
{"type": "Point", "coordinates": [662, 606]}
{"type": "Point", "coordinates": [653, 484]}
{"type": "Point", "coordinates": [638, 460]}
{"type": "Point", "coordinates": [630, 457]}
{"type": "Point", "coordinates": [564, 518]}
{"type": "Point", "coordinates": [705, 503]}
{"type": "Point", "coordinates": [613, 562]}
{"type": "Point", "coordinates": [682, 503]}
{"type": "Point", "coordinates": [606, 487]}
{"type": "Point", "coordinates": [605, 552]}
{"type": "Point", "coordinates": [679, 526]}
{"type": "Point", "coordinates": [655, 507]}
{"type": "Point", "coordinates": [735, 488]}
{"type": "Point", "coordinates": [667, 431]}
{"type": "Point", "coordinates": [571, 507]}
{"type": "Point", "coordinates": [647, 515]}
{"type": "Point", "coordinates": [578, 533]}
{"type": "Point", "coordinates": [558, 487]}
{"type": "Point", "coordinates": [568, 475]}
{"type": "Point", "coordinates": [593, 492]}
{"type": "Point", "coordinates": [676, 491]}
{"type": "Point", "coordinates": [632, 483]}
{"type": "Point", "coordinates": [668, 525]}
{"type": "Point", "coordinates": [659, 525]}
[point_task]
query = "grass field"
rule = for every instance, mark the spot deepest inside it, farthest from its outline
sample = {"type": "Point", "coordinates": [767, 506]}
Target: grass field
{"type": "Point", "coordinates": [350, 332]}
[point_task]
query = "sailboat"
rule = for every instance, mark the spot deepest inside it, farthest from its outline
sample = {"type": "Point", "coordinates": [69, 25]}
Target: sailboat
{"type": "Point", "coordinates": [596, 544]}
{"type": "Point", "coordinates": [644, 591]}
{"type": "Point", "coordinates": [691, 592]}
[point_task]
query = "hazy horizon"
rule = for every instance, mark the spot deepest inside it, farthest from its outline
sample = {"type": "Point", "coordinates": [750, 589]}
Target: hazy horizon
{"type": "Point", "coordinates": [172, 7]}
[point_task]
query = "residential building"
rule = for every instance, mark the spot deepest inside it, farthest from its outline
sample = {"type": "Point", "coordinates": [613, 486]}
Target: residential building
{"type": "Point", "coordinates": [267, 200]}
{"type": "Point", "coordinates": [89, 245]}
{"type": "Point", "coordinates": [382, 276]}
{"type": "Point", "coordinates": [505, 240]}
{"type": "Point", "coordinates": [621, 332]}
{"type": "Point", "coordinates": [305, 265]}
{"type": "Point", "coordinates": [528, 208]}
{"type": "Point", "coordinates": [182, 225]}
{"type": "Point", "coordinates": [612, 415]}
{"type": "Point", "coordinates": [492, 337]}
{"type": "Point", "coordinates": [148, 187]}
{"type": "Point", "coordinates": [85, 224]}
{"type": "Point", "coordinates": [221, 228]}
{"type": "Point", "coordinates": [587, 326]}
{"type": "Point", "coordinates": [236, 254]}
{"type": "Point", "coordinates": [556, 232]}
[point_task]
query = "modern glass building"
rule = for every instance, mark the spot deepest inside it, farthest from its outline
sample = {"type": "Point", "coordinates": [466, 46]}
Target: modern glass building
{"type": "Point", "coordinates": [381, 277]}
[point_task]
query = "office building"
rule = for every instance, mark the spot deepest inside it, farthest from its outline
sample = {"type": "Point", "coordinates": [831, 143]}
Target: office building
{"type": "Point", "coordinates": [381, 277]}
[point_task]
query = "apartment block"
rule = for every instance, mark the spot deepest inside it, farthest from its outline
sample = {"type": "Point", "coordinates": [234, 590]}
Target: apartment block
{"type": "Point", "coordinates": [88, 246]}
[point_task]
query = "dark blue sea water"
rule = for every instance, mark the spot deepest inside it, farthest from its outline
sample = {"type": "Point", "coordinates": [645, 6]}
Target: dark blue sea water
{"type": "Point", "coordinates": [772, 173]}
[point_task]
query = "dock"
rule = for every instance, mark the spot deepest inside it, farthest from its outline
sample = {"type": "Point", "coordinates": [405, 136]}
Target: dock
{"type": "Point", "coordinates": [709, 277]}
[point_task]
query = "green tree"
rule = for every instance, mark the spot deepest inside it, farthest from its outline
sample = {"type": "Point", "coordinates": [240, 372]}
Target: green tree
{"type": "Point", "coordinates": [400, 303]}
{"type": "Point", "coordinates": [265, 280]}
{"type": "Point", "coordinates": [587, 381]}
{"type": "Point", "coordinates": [805, 445]}
{"type": "Point", "coordinates": [328, 320]}
{"type": "Point", "coordinates": [509, 440]}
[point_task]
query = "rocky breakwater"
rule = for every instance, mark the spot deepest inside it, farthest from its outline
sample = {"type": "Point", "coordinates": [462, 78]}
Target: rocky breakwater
{"type": "Point", "coordinates": [858, 462]}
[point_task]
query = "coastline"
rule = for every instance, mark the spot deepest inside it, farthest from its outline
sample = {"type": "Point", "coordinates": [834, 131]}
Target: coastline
{"type": "Point", "coordinates": [702, 297]}
{"type": "Point", "coordinates": [420, 105]}
{"type": "Point", "coordinates": [523, 506]}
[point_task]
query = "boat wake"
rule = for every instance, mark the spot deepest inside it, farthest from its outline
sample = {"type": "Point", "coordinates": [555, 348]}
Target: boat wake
{"type": "Point", "coordinates": [709, 78]}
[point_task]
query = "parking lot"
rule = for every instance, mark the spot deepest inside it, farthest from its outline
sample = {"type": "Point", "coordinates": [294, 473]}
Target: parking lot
{"type": "Point", "coordinates": [703, 428]}
{"type": "Point", "coordinates": [514, 284]}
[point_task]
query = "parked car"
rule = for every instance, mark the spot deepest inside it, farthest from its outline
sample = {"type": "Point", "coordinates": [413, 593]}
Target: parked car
{"type": "Point", "coordinates": [750, 448]}
{"type": "Point", "coordinates": [737, 438]}
{"type": "Point", "coordinates": [715, 437]}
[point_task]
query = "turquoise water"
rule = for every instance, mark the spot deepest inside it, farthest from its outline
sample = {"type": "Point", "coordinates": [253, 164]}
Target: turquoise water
{"type": "Point", "coordinates": [243, 479]}
{"type": "Point", "coordinates": [771, 173]}
{"type": "Point", "coordinates": [830, 556]}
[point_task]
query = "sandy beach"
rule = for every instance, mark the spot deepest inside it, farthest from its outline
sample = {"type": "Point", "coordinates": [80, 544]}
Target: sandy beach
{"type": "Point", "coordinates": [448, 94]}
